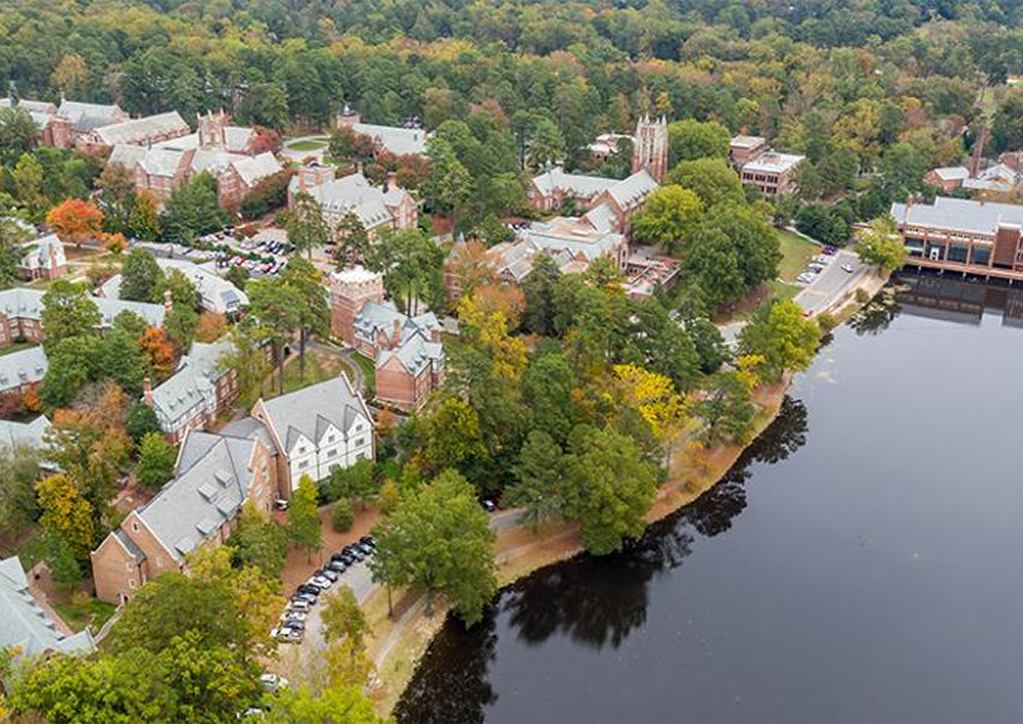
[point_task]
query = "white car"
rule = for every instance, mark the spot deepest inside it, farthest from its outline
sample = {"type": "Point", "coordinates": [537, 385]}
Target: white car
{"type": "Point", "coordinates": [848, 268]}
{"type": "Point", "coordinates": [294, 616]}
{"type": "Point", "coordinates": [320, 582]}
{"type": "Point", "coordinates": [273, 683]}
{"type": "Point", "coordinates": [298, 606]}
{"type": "Point", "coordinates": [804, 278]}
{"type": "Point", "coordinates": [822, 259]}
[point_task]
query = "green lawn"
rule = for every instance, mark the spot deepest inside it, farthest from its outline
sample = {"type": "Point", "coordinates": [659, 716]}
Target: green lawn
{"type": "Point", "coordinates": [369, 369]}
{"type": "Point", "coordinates": [16, 347]}
{"type": "Point", "coordinates": [781, 290]}
{"type": "Point", "coordinates": [308, 145]}
{"type": "Point", "coordinates": [93, 613]}
{"type": "Point", "coordinates": [318, 368]}
{"type": "Point", "coordinates": [796, 253]}
{"type": "Point", "coordinates": [31, 550]}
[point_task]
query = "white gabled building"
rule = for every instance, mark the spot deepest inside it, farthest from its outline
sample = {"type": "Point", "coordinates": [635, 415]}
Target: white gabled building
{"type": "Point", "coordinates": [317, 429]}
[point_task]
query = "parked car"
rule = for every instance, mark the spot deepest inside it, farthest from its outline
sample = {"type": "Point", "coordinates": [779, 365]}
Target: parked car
{"type": "Point", "coordinates": [848, 268]}
{"type": "Point", "coordinates": [355, 552]}
{"type": "Point", "coordinates": [273, 683]}
{"type": "Point", "coordinates": [815, 268]}
{"type": "Point", "coordinates": [368, 540]}
{"type": "Point", "coordinates": [489, 505]}
{"type": "Point", "coordinates": [804, 278]}
{"type": "Point", "coordinates": [309, 588]}
{"type": "Point", "coordinates": [320, 582]}
{"type": "Point", "coordinates": [294, 616]}
{"type": "Point", "coordinates": [365, 548]}
{"type": "Point", "coordinates": [829, 250]}
{"type": "Point", "coordinates": [822, 259]}
{"type": "Point", "coordinates": [337, 566]}
{"type": "Point", "coordinates": [329, 574]}
{"type": "Point", "coordinates": [299, 606]}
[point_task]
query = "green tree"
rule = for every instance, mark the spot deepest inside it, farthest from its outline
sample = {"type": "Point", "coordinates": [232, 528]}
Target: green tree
{"type": "Point", "coordinates": [19, 469]}
{"type": "Point", "coordinates": [1005, 128]}
{"type": "Point", "coordinates": [351, 241]}
{"type": "Point", "coordinates": [122, 360]}
{"type": "Point", "coordinates": [539, 485]}
{"type": "Point", "coordinates": [277, 311]}
{"type": "Point", "coordinates": [546, 144]}
{"type": "Point", "coordinates": [882, 246]}
{"type": "Point", "coordinates": [783, 336]}
{"type": "Point", "coordinates": [303, 517]}
{"type": "Point", "coordinates": [12, 235]}
{"type": "Point", "coordinates": [238, 275]}
{"type": "Point", "coordinates": [712, 262]}
{"type": "Point", "coordinates": [72, 364]}
{"type": "Point", "coordinates": [356, 482]}
{"type": "Point", "coordinates": [539, 291]}
{"type": "Point", "coordinates": [547, 389]}
{"type": "Point", "coordinates": [609, 487]}
{"type": "Point", "coordinates": [303, 279]}
{"type": "Point", "coordinates": [727, 413]}
{"type": "Point", "coordinates": [439, 541]}
{"type": "Point", "coordinates": [62, 562]}
{"type": "Point", "coordinates": [343, 618]}
{"type": "Point", "coordinates": [669, 216]}
{"type": "Point", "coordinates": [247, 357]}
{"type": "Point", "coordinates": [259, 541]}
{"type": "Point", "coordinates": [338, 704]}
{"type": "Point", "coordinates": [66, 514]}
{"type": "Point", "coordinates": [411, 264]}
{"type": "Point", "coordinates": [453, 437]}
{"type": "Point", "coordinates": [139, 276]}
{"type": "Point", "coordinates": [141, 420]}
{"type": "Point", "coordinates": [690, 139]}
{"type": "Point", "coordinates": [192, 209]}
{"type": "Point", "coordinates": [68, 312]}
{"type": "Point", "coordinates": [265, 104]}
{"type": "Point", "coordinates": [18, 132]}
{"type": "Point", "coordinates": [144, 221]}
{"type": "Point", "coordinates": [712, 179]}
{"type": "Point", "coordinates": [156, 461]}
{"type": "Point", "coordinates": [342, 515]}
{"type": "Point", "coordinates": [307, 230]}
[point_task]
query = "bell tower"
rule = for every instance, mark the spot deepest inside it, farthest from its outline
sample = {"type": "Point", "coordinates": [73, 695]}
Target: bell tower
{"type": "Point", "coordinates": [651, 148]}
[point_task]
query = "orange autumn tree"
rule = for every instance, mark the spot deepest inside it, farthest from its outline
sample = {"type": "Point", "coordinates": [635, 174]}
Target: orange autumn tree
{"type": "Point", "coordinates": [210, 327]}
{"type": "Point", "coordinates": [76, 221]}
{"type": "Point", "coordinates": [160, 350]}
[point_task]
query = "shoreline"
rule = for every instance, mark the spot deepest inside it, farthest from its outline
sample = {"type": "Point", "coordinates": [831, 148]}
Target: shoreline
{"type": "Point", "coordinates": [397, 646]}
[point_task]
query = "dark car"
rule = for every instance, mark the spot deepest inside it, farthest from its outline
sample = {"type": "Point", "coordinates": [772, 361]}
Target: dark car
{"type": "Point", "coordinates": [365, 548]}
{"type": "Point", "coordinates": [368, 540]}
{"type": "Point", "coordinates": [489, 505]}
{"type": "Point", "coordinates": [355, 552]}
{"type": "Point", "coordinates": [309, 589]}
{"type": "Point", "coordinates": [339, 566]}
{"type": "Point", "coordinates": [307, 597]}
{"type": "Point", "coordinates": [348, 559]}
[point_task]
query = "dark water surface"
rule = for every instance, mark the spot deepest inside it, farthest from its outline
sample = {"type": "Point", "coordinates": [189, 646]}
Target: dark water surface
{"type": "Point", "coordinates": [863, 562]}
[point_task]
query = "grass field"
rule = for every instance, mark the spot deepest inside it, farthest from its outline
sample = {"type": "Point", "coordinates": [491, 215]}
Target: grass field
{"type": "Point", "coordinates": [796, 253]}
{"type": "Point", "coordinates": [318, 367]}
{"type": "Point", "coordinates": [94, 613]}
{"type": "Point", "coordinates": [369, 369]}
{"type": "Point", "coordinates": [307, 145]}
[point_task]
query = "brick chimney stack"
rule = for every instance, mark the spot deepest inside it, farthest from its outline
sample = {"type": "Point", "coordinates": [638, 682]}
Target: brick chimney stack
{"type": "Point", "coordinates": [396, 334]}
{"type": "Point", "coordinates": [978, 149]}
{"type": "Point", "coordinates": [147, 391]}
{"type": "Point", "coordinates": [168, 301]}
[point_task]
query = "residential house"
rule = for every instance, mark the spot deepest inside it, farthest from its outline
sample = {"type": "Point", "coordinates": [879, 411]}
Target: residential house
{"type": "Point", "coordinates": [193, 397]}
{"type": "Point", "coordinates": [317, 429]}
{"type": "Point", "coordinates": [42, 258]}
{"type": "Point", "coordinates": [959, 235]}
{"type": "Point", "coordinates": [21, 314]}
{"type": "Point", "coordinates": [214, 476]}
{"type": "Point", "coordinates": [407, 351]}
{"type": "Point", "coordinates": [27, 623]}
{"type": "Point", "coordinates": [389, 207]}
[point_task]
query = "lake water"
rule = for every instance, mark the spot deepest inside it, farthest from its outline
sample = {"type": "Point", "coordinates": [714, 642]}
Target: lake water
{"type": "Point", "coordinates": [863, 562]}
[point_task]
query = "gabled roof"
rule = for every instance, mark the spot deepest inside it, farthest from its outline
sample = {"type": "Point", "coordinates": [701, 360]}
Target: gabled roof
{"type": "Point", "coordinates": [399, 141]}
{"type": "Point", "coordinates": [193, 384]}
{"type": "Point", "coordinates": [89, 116]}
{"type": "Point", "coordinates": [212, 480]}
{"type": "Point", "coordinates": [24, 433]}
{"type": "Point", "coordinates": [216, 292]}
{"type": "Point", "coordinates": [952, 173]}
{"type": "Point", "coordinates": [38, 253]}
{"type": "Point", "coordinates": [300, 412]}
{"type": "Point", "coordinates": [140, 130]}
{"type": "Point", "coordinates": [415, 353]}
{"type": "Point", "coordinates": [573, 184]}
{"type": "Point", "coordinates": [24, 367]}
{"type": "Point", "coordinates": [632, 190]}
{"type": "Point", "coordinates": [22, 303]}
{"type": "Point", "coordinates": [238, 139]}
{"type": "Point", "coordinates": [354, 193]}
{"type": "Point", "coordinates": [375, 317]}
{"type": "Point", "coordinates": [252, 169]}
{"type": "Point", "coordinates": [25, 624]}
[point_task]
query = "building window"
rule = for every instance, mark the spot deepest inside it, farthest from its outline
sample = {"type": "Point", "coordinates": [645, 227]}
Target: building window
{"type": "Point", "coordinates": [135, 526]}
{"type": "Point", "coordinates": [131, 583]}
{"type": "Point", "coordinates": [128, 567]}
{"type": "Point", "coordinates": [303, 465]}
{"type": "Point", "coordinates": [332, 452]}
{"type": "Point", "coordinates": [360, 442]}
{"type": "Point", "coordinates": [330, 438]}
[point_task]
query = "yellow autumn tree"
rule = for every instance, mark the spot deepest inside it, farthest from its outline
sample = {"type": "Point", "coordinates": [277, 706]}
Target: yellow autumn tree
{"type": "Point", "coordinates": [488, 329]}
{"type": "Point", "coordinates": [746, 370]}
{"type": "Point", "coordinates": [655, 398]}
{"type": "Point", "coordinates": [65, 512]}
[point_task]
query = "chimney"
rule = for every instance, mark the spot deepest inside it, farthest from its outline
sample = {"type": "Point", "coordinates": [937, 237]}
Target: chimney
{"type": "Point", "coordinates": [147, 391]}
{"type": "Point", "coordinates": [392, 181]}
{"type": "Point", "coordinates": [168, 301]}
{"type": "Point", "coordinates": [396, 334]}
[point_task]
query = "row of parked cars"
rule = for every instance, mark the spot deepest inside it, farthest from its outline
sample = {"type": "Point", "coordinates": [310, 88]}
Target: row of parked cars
{"type": "Point", "coordinates": [293, 620]}
{"type": "Point", "coordinates": [819, 263]}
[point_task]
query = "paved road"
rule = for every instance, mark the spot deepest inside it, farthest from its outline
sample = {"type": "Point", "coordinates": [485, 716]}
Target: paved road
{"type": "Point", "coordinates": [829, 286]}
{"type": "Point", "coordinates": [345, 355]}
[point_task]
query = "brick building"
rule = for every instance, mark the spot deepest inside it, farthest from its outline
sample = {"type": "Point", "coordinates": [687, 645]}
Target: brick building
{"type": "Point", "coordinates": [408, 353]}
{"type": "Point", "coordinates": [378, 208]}
{"type": "Point", "coordinates": [193, 397]}
{"type": "Point", "coordinates": [772, 172]}
{"type": "Point", "coordinates": [215, 475]}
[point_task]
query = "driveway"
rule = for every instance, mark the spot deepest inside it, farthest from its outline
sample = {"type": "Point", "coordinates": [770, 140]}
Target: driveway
{"type": "Point", "coordinates": [345, 355]}
{"type": "Point", "coordinates": [829, 286]}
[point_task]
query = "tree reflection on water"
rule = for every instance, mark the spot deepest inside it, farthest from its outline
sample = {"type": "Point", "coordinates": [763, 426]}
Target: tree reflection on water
{"type": "Point", "coordinates": [594, 601]}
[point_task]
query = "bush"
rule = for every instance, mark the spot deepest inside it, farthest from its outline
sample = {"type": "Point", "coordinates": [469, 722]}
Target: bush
{"type": "Point", "coordinates": [826, 322]}
{"type": "Point", "coordinates": [342, 516]}
{"type": "Point", "coordinates": [862, 295]}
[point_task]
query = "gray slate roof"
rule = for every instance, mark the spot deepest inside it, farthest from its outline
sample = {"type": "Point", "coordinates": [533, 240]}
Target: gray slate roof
{"type": "Point", "coordinates": [23, 303]}
{"type": "Point", "coordinates": [212, 480]}
{"type": "Point", "coordinates": [399, 141]}
{"type": "Point", "coordinates": [574, 184]}
{"type": "Point", "coordinates": [24, 367]}
{"type": "Point", "coordinates": [193, 383]}
{"type": "Point", "coordinates": [24, 433]}
{"type": "Point", "coordinates": [140, 130]}
{"type": "Point", "coordinates": [354, 193]}
{"type": "Point", "coordinates": [25, 624]}
{"type": "Point", "coordinates": [414, 353]}
{"type": "Point", "coordinates": [959, 215]}
{"type": "Point", "coordinates": [308, 411]}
